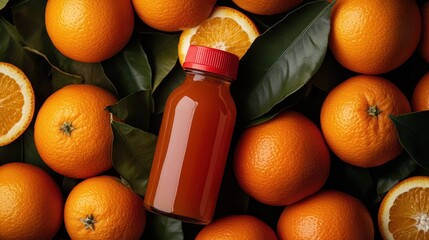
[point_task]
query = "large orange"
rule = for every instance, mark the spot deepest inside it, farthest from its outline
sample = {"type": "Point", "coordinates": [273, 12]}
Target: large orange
{"type": "Point", "coordinates": [420, 96]}
{"type": "Point", "coordinates": [103, 207]}
{"type": "Point", "coordinates": [31, 204]}
{"type": "Point", "coordinates": [424, 39]}
{"type": "Point", "coordinates": [355, 120]}
{"type": "Point", "coordinates": [374, 36]}
{"type": "Point", "coordinates": [328, 214]}
{"type": "Point", "coordinates": [173, 15]}
{"type": "Point", "coordinates": [72, 131]}
{"type": "Point", "coordinates": [267, 7]}
{"type": "Point", "coordinates": [237, 227]}
{"type": "Point", "coordinates": [282, 160]}
{"type": "Point", "coordinates": [89, 30]}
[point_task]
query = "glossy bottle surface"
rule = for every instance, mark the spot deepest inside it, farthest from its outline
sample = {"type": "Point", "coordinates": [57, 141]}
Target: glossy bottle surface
{"type": "Point", "coordinates": [192, 149]}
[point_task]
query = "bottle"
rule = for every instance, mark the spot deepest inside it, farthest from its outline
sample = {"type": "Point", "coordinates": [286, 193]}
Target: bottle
{"type": "Point", "coordinates": [194, 138]}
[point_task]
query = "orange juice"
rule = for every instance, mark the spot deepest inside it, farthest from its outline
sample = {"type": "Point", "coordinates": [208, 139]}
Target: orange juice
{"type": "Point", "coordinates": [194, 139]}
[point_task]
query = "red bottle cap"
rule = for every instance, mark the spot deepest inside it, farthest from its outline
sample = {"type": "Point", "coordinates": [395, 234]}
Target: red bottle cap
{"type": "Point", "coordinates": [212, 60]}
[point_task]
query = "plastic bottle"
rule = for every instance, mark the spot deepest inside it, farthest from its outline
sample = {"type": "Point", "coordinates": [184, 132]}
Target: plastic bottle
{"type": "Point", "coordinates": [194, 138]}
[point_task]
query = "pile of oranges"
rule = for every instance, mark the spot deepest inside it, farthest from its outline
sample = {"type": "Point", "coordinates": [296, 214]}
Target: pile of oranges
{"type": "Point", "coordinates": [283, 163]}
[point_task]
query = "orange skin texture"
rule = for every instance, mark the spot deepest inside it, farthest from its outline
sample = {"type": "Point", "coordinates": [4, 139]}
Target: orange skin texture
{"type": "Point", "coordinates": [352, 134]}
{"type": "Point", "coordinates": [267, 7]}
{"type": "Point", "coordinates": [237, 227]}
{"type": "Point", "coordinates": [326, 215]}
{"type": "Point", "coordinates": [424, 40]}
{"type": "Point", "coordinates": [86, 152]}
{"type": "Point", "coordinates": [173, 15]}
{"type": "Point", "coordinates": [420, 96]}
{"type": "Point", "coordinates": [283, 160]}
{"type": "Point", "coordinates": [369, 41]}
{"type": "Point", "coordinates": [89, 30]}
{"type": "Point", "coordinates": [31, 203]}
{"type": "Point", "coordinates": [117, 210]}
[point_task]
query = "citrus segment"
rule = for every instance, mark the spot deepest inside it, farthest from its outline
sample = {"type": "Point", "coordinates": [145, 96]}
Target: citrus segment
{"type": "Point", "coordinates": [226, 29]}
{"type": "Point", "coordinates": [16, 103]}
{"type": "Point", "coordinates": [403, 213]}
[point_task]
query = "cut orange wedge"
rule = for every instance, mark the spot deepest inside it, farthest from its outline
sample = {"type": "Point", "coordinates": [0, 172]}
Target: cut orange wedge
{"type": "Point", "coordinates": [16, 103]}
{"type": "Point", "coordinates": [226, 29]}
{"type": "Point", "coordinates": [404, 211]}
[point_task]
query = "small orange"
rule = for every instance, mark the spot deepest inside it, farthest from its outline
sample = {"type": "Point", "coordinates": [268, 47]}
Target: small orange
{"type": "Point", "coordinates": [226, 29]}
{"type": "Point", "coordinates": [374, 36]}
{"type": "Point", "coordinates": [173, 15]}
{"type": "Point", "coordinates": [328, 214]}
{"type": "Point", "coordinates": [31, 204]}
{"type": "Point", "coordinates": [103, 207]}
{"type": "Point", "coordinates": [89, 30]}
{"type": "Point", "coordinates": [404, 212]}
{"type": "Point", "coordinates": [420, 96]}
{"type": "Point", "coordinates": [72, 131]}
{"type": "Point", "coordinates": [16, 103]}
{"type": "Point", "coordinates": [282, 160]}
{"type": "Point", "coordinates": [424, 39]}
{"type": "Point", "coordinates": [237, 227]}
{"type": "Point", "coordinates": [355, 120]}
{"type": "Point", "coordinates": [267, 7]}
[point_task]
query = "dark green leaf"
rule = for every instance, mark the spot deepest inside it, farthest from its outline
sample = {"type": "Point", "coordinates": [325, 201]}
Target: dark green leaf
{"type": "Point", "coordinates": [30, 23]}
{"type": "Point", "coordinates": [163, 228]}
{"type": "Point", "coordinates": [391, 173]}
{"type": "Point", "coordinates": [413, 132]}
{"type": "Point", "coordinates": [282, 60]}
{"type": "Point", "coordinates": [129, 70]}
{"type": "Point", "coordinates": [132, 154]}
{"type": "Point", "coordinates": [173, 79]}
{"type": "Point", "coordinates": [134, 109]}
{"type": "Point", "coordinates": [162, 52]}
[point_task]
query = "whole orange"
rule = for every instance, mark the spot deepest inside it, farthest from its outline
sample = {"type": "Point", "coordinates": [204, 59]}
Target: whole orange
{"type": "Point", "coordinates": [374, 36]}
{"type": "Point", "coordinates": [31, 204]}
{"type": "Point", "coordinates": [355, 120]}
{"type": "Point", "coordinates": [89, 30]}
{"type": "Point", "coordinates": [424, 39]}
{"type": "Point", "coordinates": [328, 214]}
{"type": "Point", "coordinates": [103, 207]}
{"type": "Point", "coordinates": [72, 131]}
{"type": "Point", "coordinates": [420, 96]}
{"type": "Point", "coordinates": [267, 7]}
{"type": "Point", "coordinates": [173, 15]}
{"type": "Point", "coordinates": [282, 160]}
{"type": "Point", "coordinates": [237, 227]}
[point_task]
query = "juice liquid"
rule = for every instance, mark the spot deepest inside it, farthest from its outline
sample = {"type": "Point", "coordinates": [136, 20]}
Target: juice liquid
{"type": "Point", "coordinates": [192, 149]}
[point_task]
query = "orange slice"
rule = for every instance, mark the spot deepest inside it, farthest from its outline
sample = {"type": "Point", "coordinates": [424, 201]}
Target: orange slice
{"type": "Point", "coordinates": [226, 29]}
{"type": "Point", "coordinates": [16, 103]}
{"type": "Point", "coordinates": [404, 211]}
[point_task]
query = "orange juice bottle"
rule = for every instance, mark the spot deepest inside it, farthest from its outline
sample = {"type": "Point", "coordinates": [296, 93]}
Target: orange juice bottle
{"type": "Point", "coordinates": [194, 138]}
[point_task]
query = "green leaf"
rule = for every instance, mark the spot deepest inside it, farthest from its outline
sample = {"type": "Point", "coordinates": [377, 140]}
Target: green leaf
{"type": "Point", "coordinates": [132, 154]}
{"type": "Point", "coordinates": [391, 173]}
{"type": "Point", "coordinates": [3, 3]}
{"type": "Point", "coordinates": [413, 132]}
{"type": "Point", "coordinates": [282, 60]}
{"type": "Point", "coordinates": [29, 20]}
{"type": "Point", "coordinates": [134, 109]}
{"type": "Point", "coordinates": [171, 81]}
{"type": "Point", "coordinates": [163, 228]}
{"type": "Point", "coordinates": [129, 70]}
{"type": "Point", "coordinates": [162, 53]}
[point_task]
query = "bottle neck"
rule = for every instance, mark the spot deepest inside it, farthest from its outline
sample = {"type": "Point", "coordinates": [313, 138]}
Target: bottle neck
{"type": "Point", "coordinates": [199, 75]}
